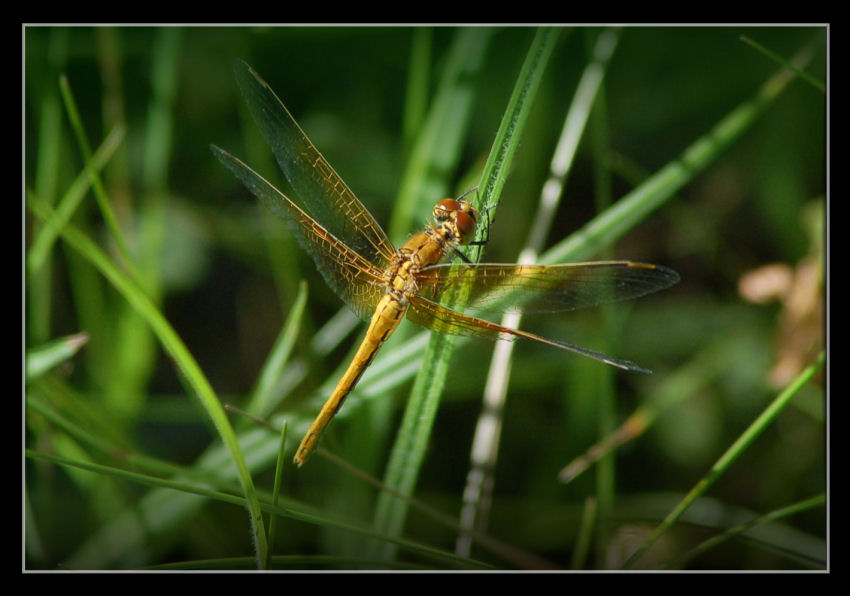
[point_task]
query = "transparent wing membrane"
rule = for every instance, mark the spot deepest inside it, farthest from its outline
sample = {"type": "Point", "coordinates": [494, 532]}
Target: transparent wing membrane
{"type": "Point", "coordinates": [545, 288]}
{"type": "Point", "coordinates": [436, 317]}
{"type": "Point", "coordinates": [354, 279]}
{"type": "Point", "coordinates": [323, 193]}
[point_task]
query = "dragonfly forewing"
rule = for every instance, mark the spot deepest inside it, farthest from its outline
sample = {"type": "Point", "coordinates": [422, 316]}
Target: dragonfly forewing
{"type": "Point", "coordinates": [323, 193]}
{"type": "Point", "coordinates": [357, 281]}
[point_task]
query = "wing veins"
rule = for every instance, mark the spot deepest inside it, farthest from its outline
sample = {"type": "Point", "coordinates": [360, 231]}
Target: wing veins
{"type": "Point", "coordinates": [359, 282]}
{"type": "Point", "coordinates": [545, 288]}
{"type": "Point", "coordinates": [321, 189]}
{"type": "Point", "coordinates": [437, 317]}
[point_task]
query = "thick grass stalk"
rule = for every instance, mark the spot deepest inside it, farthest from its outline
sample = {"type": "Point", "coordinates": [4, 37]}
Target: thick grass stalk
{"type": "Point", "coordinates": [479, 483]}
{"type": "Point", "coordinates": [411, 444]}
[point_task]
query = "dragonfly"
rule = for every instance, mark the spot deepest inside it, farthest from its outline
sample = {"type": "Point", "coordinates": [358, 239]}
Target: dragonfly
{"type": "Point", "coordinates": [383, 284]}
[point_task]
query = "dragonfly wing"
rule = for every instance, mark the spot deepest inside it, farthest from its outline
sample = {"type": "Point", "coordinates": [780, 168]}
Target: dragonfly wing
{"type": "Point", "coordinates": [354, 279]}
{"type": "Point", "coordinates": [545, 288]}
{"type": "Point", "coordinates": [437, 317]}
{"type": "Point", "coordinates": [324, 194]}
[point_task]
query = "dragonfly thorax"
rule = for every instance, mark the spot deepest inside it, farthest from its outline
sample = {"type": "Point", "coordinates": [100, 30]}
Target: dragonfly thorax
{"type": "Point", "coordinates": [456, 220]}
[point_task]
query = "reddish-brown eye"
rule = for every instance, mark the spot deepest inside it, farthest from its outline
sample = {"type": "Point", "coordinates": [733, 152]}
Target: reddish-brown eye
{"type": "Point", "coordinates": [445, 208]}
{"type": "Point", "coordinates": [467, 207]}
{"type": "Point", "coordinates": [465, 225]}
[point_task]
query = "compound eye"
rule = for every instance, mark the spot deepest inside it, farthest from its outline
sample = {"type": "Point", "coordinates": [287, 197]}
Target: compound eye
{"type": "Point", "coordinates": [465, 226]}
{"type": "Point", "coordinates": [444, 209]}
{"type": "Point", "coordinates": [466, 207]}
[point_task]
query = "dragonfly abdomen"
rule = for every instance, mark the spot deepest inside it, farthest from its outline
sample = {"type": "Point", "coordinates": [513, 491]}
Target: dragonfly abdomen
{"type": "Point", "coordinates": [388, 315]}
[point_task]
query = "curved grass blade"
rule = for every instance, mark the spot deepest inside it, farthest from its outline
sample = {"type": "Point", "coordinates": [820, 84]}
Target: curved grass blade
{"type": "Point", "coordinates": [46, 236]}
{"type": "Point", "coordinates": [97, 184]}
{"type": "Point", "coordinates": [186, 364]}
{"type": "Point", "coordinates": [730, 456]}
{"type": "Point", "coordinates": [289, 510]}
{"type": "Point", "coordinates": [804, 505]}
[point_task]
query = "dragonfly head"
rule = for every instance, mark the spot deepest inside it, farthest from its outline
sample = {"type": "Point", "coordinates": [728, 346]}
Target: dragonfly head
{"type": "Point", "coordinates": [461, 214]}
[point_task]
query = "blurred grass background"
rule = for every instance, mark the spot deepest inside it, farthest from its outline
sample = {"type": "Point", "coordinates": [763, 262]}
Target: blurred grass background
{"type": "Point", "coordinates": [225, 275]}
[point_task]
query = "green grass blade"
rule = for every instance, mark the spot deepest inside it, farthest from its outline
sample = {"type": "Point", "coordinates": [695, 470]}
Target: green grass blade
{"type": "Point", "coordinates": [416, 97]}
{"type": "Point", "coordinates": [290, 510]}
{"type": "Point", "coordinates": [42, 358]}
{"type": "Point", "coordinates": [278, 480]}
{"type": "Point", "coordinates": [46, 236]}
{"type": "Point", "coordinates": [487, 434]}
{"type": "Point", "coordinates": [649, 196]}
{"type": "Point", "coordinates": [409, 450]}
{"type": "Point", "coordinates": [731, 533]}
{"type": "Point", "coordinates": [436, 151]}
{"type": "Point", "coordinates": [364, 95]}
{"type": "Point", "coordinates": [585, 534]}
{"type": "Point", "coordinates": [819, 85]}
{"type": "Point", "coordinates": [601, 383]}
{"type": "Point", "coordinates": [709, 364]}
{"type": "Point", "coordinates": [96, 183]}
{"type": "Point", "coordinates": [49, 157]}
{"type": "Point", "coordinates": [508, 136]}
{"type": "Point", "coordinates": [157, 155]}
{"type": "Point", "coordinates": [187, 365]}
{"type": "Point", "coordinates": [731, 455]}
{"type": "Point", "coordinates": [160, 125]}
{"type": "Point", "coordinates": [264, 399]}
{"type": "Point", "coordinates": [50, 117]}
{"type": "Point", "coordinates": [606, 228]}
